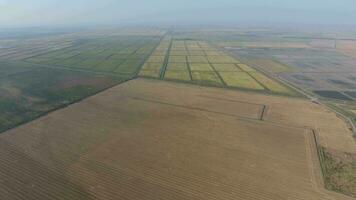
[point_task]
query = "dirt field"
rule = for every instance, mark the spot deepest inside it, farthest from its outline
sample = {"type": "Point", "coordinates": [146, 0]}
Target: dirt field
{"type": "Point", "coordinates": [150, 139]}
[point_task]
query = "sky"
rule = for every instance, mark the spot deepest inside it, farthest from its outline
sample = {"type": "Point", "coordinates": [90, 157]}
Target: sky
{"type": "Point", "coordinates": [17, 13]}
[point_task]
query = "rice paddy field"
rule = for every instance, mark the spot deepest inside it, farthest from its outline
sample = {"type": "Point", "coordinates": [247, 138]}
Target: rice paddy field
{"type": "Point", "coordinates": [41, 74]}
{"type": "Point", "coordinates": [198, 62]}
{"type": "Point", "coordinates": [117, 54]}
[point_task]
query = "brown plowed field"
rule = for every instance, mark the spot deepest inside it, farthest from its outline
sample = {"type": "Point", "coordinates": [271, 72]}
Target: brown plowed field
{"type": "Point", "coordinates": [149, 139]}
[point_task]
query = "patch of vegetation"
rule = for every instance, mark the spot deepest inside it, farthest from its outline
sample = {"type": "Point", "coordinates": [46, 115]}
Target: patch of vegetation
{"type": "Point", "coordinates": [36, 91]}
{"type": "Point", "coordinates": [339, 171]}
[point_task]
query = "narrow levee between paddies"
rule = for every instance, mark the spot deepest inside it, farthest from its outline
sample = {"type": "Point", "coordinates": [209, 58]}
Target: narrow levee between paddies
{"type": "Point", "coordinates": [198, 62]}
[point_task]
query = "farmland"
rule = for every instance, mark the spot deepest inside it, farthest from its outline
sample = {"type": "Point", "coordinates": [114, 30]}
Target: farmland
{"type": "Point", "coordinates": [28, 91]}
{"type": "Point", "coordinates": [198, 62]}
{"type": "Point", "coordinates": [117, 55]}
{"type": "Point", "coordinates": [322, 70]}
{"type": "Point", "coordinates": [320, 66]}
{"type": "Point", "coordinates": [116, 149]}
{"type": "Point", "coordinates": [39, 75]}
{"type": "Point", "coordinates": [104, 114]}
{"type": "Point", "coordinates": [311, 69]}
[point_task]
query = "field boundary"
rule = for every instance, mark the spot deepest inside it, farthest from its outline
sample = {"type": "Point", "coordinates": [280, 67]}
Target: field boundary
{"type": "Point", "coordinates": [263, 112]}
{"type": "Point", "coordinates": [166, 60]}
{"type": "Point", "coordinates": [259, 82]}
{"type": "Point", "coordinates": [216, 71]}
{"type": "Point", "coordinates": [189, 68]}
{"type": "Point", "coordinates": [262, 92]}
{"type": "Point", "coordinates": [230, 100]}
{"type": "Point", "coordinates": [148, 56]}
{"type": "Point", "coordinates": [191, 108]}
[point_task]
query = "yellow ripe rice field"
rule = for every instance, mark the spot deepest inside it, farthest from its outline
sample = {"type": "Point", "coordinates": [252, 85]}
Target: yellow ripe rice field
{"type": "Point", "coordinates": [150, 73]}
{"type": "Point", "coordinates": [197, 53]}
{"type": "Point", "coordinates": [179, 53]}
{"type": "Point", "coordinates": [180, 59]}
{"type": "Point", "coordinates": [213, 53]}
{"type": "Point", "coordinates": [177, 75]}
{"type": "Point", "coordinates": [226, 67]}
{"type": "Point", "coordinates": [204, 64]}
{"type": "Point", "coordinates": [222, 59]}
{"type": "Point", "coordinates": [206, 77]}
{"type": "Point", "coordinates": [246, 68]}
{"type": "Point", "coordinates": [152, 66]}
{"type": "Point", "coordinates": [197, 59]}
{"type": "Point", "coordinates": [177, 66]}
{"type": "Point", "coordinates": [159, 59]}
{"type": "Point", "coordinates": [200, 67]}
{"type": "Point", "coordinates": [241, 80]}
{"type": "Point", "coordinates": [272, 85]}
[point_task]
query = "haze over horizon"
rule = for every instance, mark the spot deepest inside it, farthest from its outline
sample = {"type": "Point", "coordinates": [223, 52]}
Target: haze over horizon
{"type": "Point", "coordinates": [17, 13]}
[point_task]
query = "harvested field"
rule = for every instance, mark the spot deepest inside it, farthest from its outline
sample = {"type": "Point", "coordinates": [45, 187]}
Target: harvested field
{"type": "Point", "coordinates": [346, 44]}
{"type": "Point", "coordinates": [348, 52]}
{"type": "Point", "coordinates": [148, 139]}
